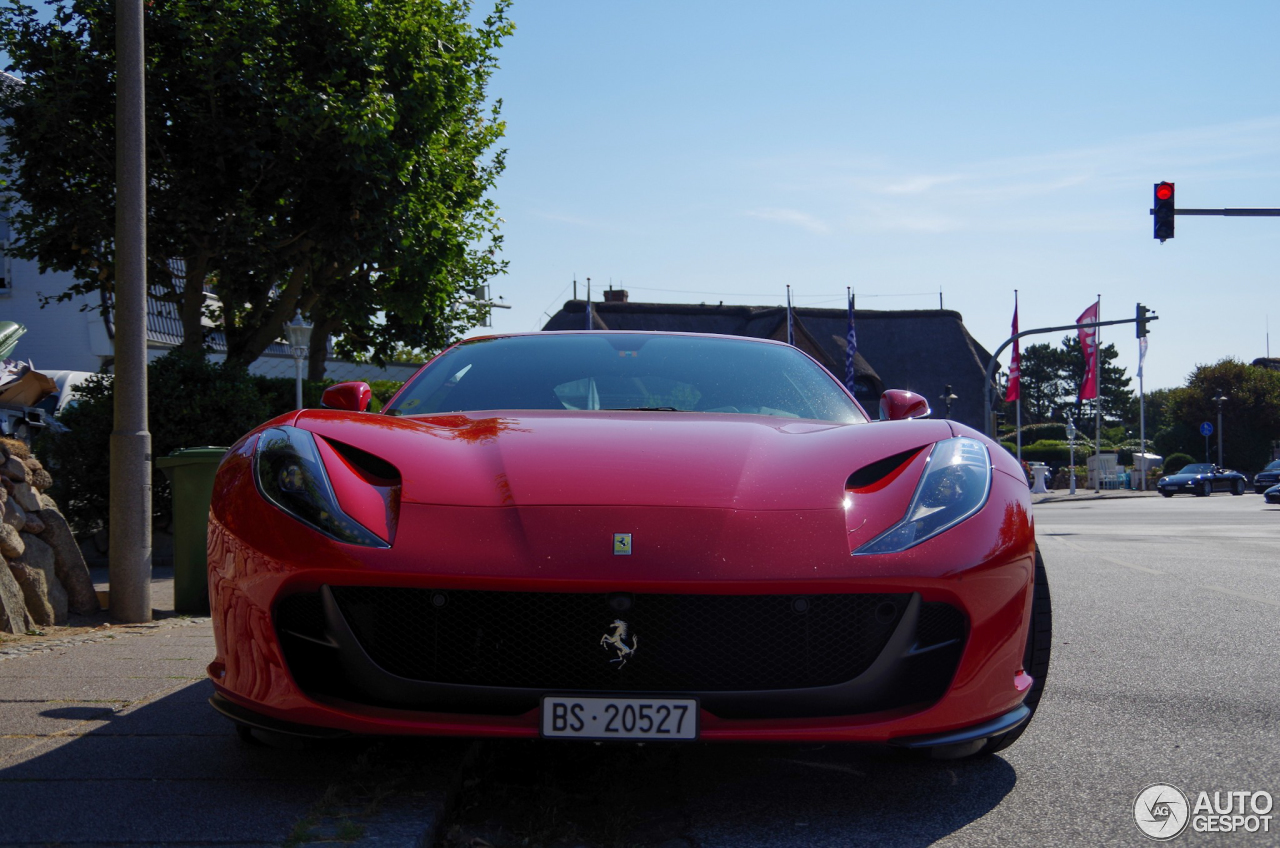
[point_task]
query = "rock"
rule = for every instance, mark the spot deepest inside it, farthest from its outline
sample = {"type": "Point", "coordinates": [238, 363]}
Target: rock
{"type": "Point", "coordinates": [68, 562]}
{"type": "Point", "coordinates": [36, 475]}
{"type": "Point", "coordinates": [40, 555]}
{"type": "Point", "coordinates": [40, 480]}
{"type": "Point", "coordinates": [35, 524]}
{"type": "Point", "coordinates": [14, 617]}
{"type": "Point", "coordinates": [47, 502]}
{"type": "Point", "coordinates": [27, 497]}
{"type": "Point", "coordinates": [14, 515]}
{"type": "Point", "coordinates": [14, 470]}
{"type": "Point", "coordinates": [35, 592]}
{"type": "Point", "coordinates": [11, 545]}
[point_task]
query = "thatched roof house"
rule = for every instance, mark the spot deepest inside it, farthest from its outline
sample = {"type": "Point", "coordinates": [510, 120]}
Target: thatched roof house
{"type": "Point", "coordinates": [924, 350]}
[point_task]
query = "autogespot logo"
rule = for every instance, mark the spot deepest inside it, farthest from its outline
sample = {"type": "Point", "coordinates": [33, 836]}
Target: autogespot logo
{"type": "Point", "coordinates": [1161, 811]}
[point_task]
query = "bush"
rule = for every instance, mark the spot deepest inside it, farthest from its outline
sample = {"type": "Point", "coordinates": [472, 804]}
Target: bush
{"type": "Point", "coordinates": [192, 403]}
{"type": "Point", "coordinates": [1174, 464]}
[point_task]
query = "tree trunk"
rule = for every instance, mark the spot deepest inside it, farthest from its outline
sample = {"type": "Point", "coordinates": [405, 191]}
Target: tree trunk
{"type": "Point", "coordinates": [321, 332]}
{"type": "Point", "coordinates": [191, 306]}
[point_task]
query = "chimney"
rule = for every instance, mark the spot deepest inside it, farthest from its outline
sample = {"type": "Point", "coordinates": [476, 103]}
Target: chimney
{"type": "Point", "coordinates": [613, 295]}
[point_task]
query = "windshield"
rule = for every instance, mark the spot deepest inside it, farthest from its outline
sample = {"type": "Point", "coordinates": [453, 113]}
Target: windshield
{"type": "Point", "coordinates": [631, 371]}
{"type": "Point", "coordinates": [1197, 468]}
{"type": "Point", "coordinates": [1273, 466]}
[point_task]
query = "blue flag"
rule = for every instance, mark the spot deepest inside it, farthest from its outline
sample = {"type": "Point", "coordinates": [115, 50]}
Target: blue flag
{"type": "Point", "coordinates": [850, 350]}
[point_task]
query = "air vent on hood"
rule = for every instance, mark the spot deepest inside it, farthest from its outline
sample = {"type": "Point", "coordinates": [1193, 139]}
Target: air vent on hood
{"type": "Point", "coordinates": [376, 470]}
{"type": "Point", "coordinates": [869, 475]}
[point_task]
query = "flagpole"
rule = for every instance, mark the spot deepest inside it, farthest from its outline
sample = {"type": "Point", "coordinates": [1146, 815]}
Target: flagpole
{"type": "Point", "coordinates": [850, 345]}
{"type": "Point", "coordinates": [1097, 402]}
{"type": "Point", "coordinates": [790, 333]}
{"type": "Point", "coordinates": [1017, 402]}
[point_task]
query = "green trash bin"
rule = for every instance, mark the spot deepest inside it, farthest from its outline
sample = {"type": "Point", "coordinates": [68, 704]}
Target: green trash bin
{"type": "Point", "coordinates": [191, 472]}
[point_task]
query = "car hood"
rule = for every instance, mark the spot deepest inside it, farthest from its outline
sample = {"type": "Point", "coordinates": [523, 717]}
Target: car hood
{"type": "Point", "coordinates": [1183, 478]}
{"type": "Point", "coordinates": [623, 458]}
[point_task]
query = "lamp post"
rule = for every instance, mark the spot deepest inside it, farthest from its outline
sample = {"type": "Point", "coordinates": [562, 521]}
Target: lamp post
{"type": "Point", "coordinates": [1071, 438]}
{"type": "Point", "coordinates": [948, 398]}
{"type": "Point", "coordinates": [1219, 400]}
{"type": "Point", "coordinates": [299, 331]}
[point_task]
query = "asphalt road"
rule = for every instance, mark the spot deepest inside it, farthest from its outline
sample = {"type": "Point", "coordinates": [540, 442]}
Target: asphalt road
{"type": "Point", "coordinates": [1164, 670]}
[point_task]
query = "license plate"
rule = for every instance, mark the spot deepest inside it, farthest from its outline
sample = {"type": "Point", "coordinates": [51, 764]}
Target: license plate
{"type": "Point", "coordinates": [619, 718]}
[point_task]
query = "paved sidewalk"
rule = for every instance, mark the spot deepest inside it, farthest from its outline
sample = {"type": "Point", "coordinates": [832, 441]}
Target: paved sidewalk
{"type": "Point", "coordinates": [107, 739]}
{"type": "Point", "coordinates": [1083, 494]}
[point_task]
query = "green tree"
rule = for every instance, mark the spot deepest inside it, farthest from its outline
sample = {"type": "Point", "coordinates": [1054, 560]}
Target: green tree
{"type": "Point", "coordinates": [1250, 414]}
{"type": "Point", "coordinates": [332, 156]}
{"type": "Point", "coordinates": [1113, 389]}
{"type": "Point", "coordinates": [1043, 383]}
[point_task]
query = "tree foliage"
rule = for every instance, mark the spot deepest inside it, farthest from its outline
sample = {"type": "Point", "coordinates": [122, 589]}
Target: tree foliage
{"type": "Point", "coordinates": [332, 156]}
{"type": "Point", "coordinates": [1250, 414]}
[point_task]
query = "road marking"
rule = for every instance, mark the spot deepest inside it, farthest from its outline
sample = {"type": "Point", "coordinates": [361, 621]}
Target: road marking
{"type": "Point", "coordinates": [1245, 595]}
{"type": "Point", "coordinates": [1111, 560]}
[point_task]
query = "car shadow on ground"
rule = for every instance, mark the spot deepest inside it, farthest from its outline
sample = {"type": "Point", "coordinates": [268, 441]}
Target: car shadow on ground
{"type": "Point", "coordinates": [580, 794]}
{"type": "Point", "coordinates": [173, 771]}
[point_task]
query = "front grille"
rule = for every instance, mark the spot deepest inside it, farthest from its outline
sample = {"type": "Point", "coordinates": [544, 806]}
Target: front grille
{"type": "Point", "coordinates": [682, 642]}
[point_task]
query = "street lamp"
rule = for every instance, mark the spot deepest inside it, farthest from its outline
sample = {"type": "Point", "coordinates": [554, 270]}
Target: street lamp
{"type": "Point", "coordinates": [1220, 399]}
{"type": "Point", "coordinates": [948, 398]}
{"type": "Point", "coordinates": [1071, 437]}
{"type": "Point", "coordinates": [299, 331]}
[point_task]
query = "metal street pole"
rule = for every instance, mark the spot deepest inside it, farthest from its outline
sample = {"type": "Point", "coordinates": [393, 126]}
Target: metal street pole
{"type": "Point", "coordinates": [1220, 398]}
{"type": "Point", "coordinates": [299, 332]}
{"type": "Point", "coordinates": [129, 518]}
{"type": "Point", "coordinates": [1142, 431]}
{"type": "Point", "coordinates": [1071, 438]}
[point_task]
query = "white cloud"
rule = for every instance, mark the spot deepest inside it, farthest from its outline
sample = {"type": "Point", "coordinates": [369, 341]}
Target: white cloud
{"type": "Point", "coordinates": [792, 217]}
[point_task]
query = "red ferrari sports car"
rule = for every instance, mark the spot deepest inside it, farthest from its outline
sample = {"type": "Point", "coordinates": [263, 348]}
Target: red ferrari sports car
{"type": "Point", "coordinates": [630, 536]}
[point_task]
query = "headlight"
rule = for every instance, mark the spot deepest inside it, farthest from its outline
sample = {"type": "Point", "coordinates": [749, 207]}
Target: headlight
{"type": "Point", "coordinates": [954, 486]}
{"type": "Point", "coordinates": [291, 475]}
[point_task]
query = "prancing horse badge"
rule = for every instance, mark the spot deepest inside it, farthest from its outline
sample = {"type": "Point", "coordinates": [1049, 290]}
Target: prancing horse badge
{"type": "Point", "coordinates": [622, 544]}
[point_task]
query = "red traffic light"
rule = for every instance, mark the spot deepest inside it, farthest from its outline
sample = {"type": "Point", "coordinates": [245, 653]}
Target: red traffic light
{"type": "Point", "coordinates": [1164, 191]}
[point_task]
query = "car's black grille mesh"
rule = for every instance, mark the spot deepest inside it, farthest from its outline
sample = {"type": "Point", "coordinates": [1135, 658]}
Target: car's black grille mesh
{"type": "Point", "coordinates": [301, 615]}
{"type": "Point", "coordinates": [682, 642]}
{"type": "Point", "coordinates": [939, 623]}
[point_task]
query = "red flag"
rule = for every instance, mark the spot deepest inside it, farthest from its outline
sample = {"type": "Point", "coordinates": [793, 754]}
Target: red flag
{"type": "Point", "coordinates": [1089, 344]}
{"type": "Point", "coordinates": [1015, 363]}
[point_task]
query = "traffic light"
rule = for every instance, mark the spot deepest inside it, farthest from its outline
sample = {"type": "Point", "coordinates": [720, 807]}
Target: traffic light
{"type": "Point", "coordinates": [1144, 315]}
{"type": "Point", "coordinates": [1163, 210]}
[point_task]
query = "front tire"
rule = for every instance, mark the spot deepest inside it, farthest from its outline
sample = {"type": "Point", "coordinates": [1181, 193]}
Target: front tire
{"type": "Point", "coordinates": [1035, 660]}
{"type": "Point", "coordinates": [1165, 494]}
{"type": "Point", "coordinates": [1239, 488]}
{"type": "Point", "coordinates": [1205, 490]}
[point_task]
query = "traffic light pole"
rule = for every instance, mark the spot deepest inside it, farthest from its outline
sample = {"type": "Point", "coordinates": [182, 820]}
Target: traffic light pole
{"type": "Point", "coordinates": [1230, 213]}
{"type": "Point", "coordinates": [994, 363]}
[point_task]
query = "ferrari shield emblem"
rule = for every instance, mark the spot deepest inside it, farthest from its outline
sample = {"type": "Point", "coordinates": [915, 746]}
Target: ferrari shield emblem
{"type": "Point", "coordinates": [622, 544]}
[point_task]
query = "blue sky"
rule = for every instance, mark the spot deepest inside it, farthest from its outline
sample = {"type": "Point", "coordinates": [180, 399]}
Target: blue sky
{"type": "Point", "coordinates": [708, 151]}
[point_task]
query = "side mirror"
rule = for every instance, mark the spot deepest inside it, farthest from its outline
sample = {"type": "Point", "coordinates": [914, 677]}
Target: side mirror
{"type": "Point", "coordinates": [354, 397]}
{"type": "Point", "coordinates": [899, 404]}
